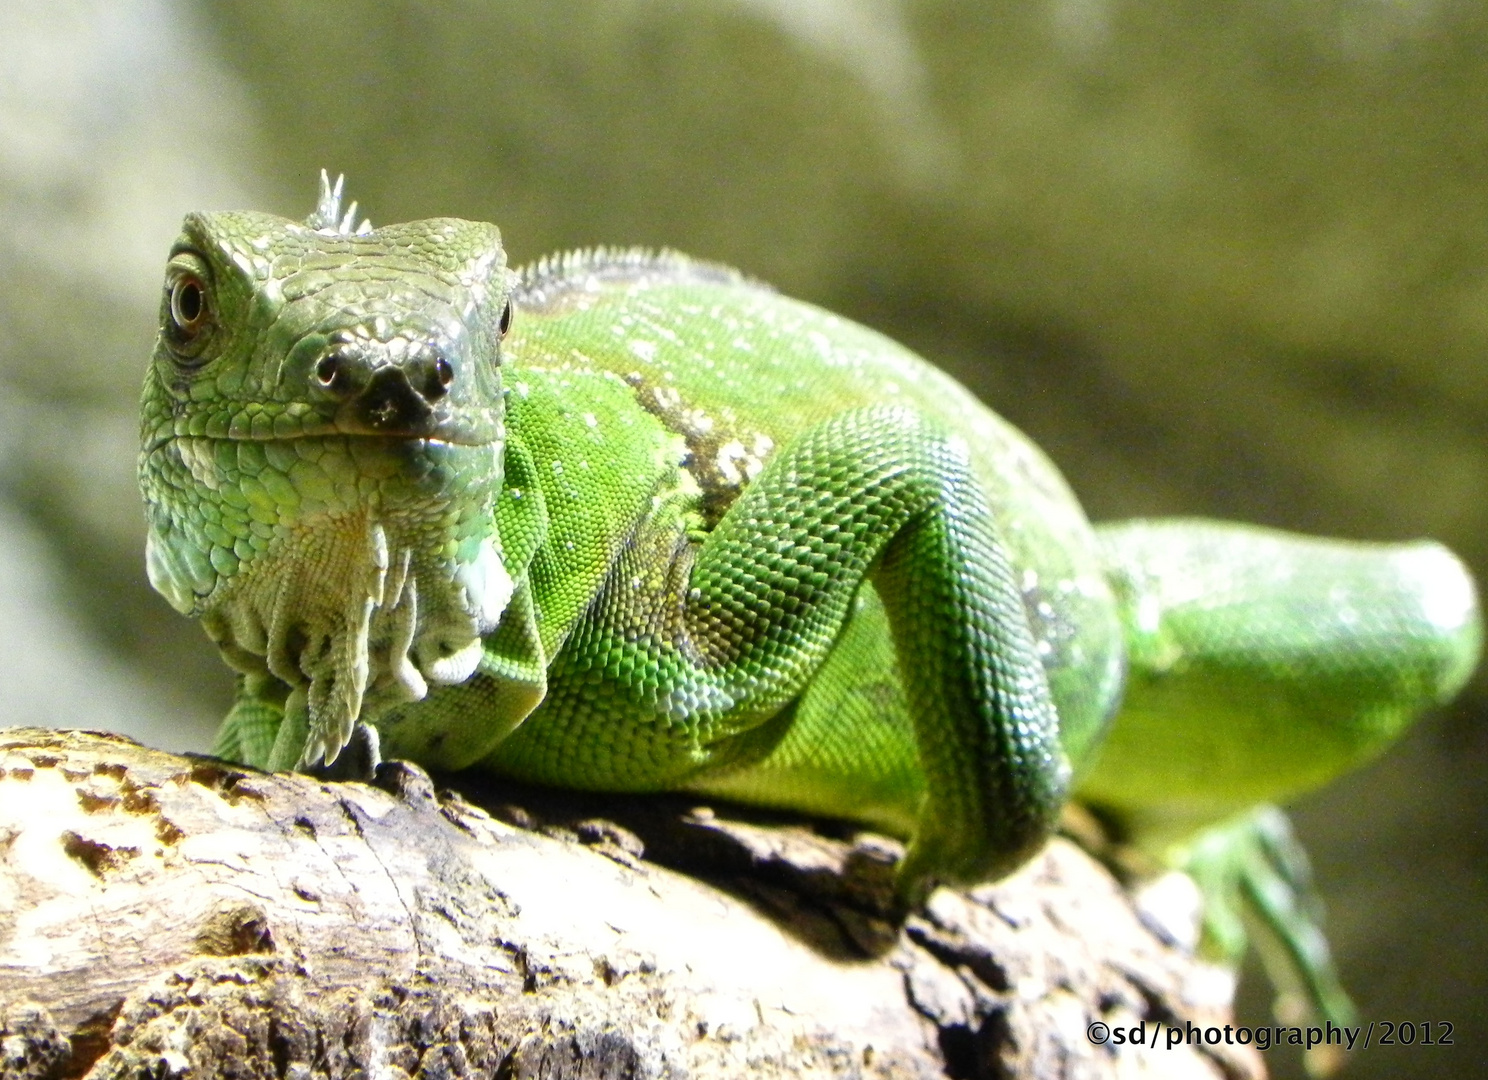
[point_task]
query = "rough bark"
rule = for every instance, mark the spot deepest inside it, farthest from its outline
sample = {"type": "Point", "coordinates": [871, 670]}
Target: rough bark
{"type": "Point", "coordinates": [171, 916]}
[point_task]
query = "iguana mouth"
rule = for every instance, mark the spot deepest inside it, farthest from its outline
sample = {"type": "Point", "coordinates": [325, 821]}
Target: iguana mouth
{"type": "Point", "coordinates": [459, 431]}
{"type": "Point", "coordinates": [371, 438]}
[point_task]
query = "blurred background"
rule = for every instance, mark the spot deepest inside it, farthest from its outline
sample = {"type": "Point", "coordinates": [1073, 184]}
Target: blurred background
{"type": "Point", "coordinates": [1217, 258]}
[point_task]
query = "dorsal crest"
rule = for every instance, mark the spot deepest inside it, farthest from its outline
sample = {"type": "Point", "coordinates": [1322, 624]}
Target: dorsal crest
{"type": "Point", "coordinates": [546, 282]}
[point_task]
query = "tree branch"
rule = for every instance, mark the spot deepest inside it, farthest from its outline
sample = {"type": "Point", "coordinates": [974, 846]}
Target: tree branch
{"type": "Point", "coordinates": [175, 916]}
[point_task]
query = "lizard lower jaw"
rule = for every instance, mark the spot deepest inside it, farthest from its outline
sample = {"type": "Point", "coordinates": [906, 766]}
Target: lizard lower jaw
{"type": "Point", "coordinates": [299, 421]}
{"type": "Point", "coordinates": [359, 622]}
{"type": "Point", "coordinates": [355, 570]}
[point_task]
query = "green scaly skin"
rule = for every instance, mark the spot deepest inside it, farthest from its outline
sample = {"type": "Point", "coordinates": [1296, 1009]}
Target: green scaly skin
{"type": "Point", "coordinates": [674, 531]}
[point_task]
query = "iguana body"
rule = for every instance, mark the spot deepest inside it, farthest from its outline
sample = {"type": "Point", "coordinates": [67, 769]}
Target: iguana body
{"type": "Point", "coordinates": [672, 530]}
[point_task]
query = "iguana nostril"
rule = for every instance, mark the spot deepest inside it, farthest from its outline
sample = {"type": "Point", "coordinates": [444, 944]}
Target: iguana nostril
{"type": "Point", "coordinates": [438, 384]}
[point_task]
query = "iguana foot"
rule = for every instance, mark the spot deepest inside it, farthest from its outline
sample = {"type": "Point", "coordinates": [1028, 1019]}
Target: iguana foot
{"type": "Point", "coordinates": [357, 761]}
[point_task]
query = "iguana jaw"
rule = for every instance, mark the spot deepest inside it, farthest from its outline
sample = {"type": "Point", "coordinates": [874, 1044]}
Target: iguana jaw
{"type": "Point", "coordinates": [370, 567]}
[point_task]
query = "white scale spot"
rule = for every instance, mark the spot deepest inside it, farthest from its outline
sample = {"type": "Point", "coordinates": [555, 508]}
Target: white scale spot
{"type": "Point", "coordinates": [590, 420]}
{"type": "Point", "coordinates": [1149, 614]}
{"type": "Point", "coordinates": [728, 454]}
{"type": "Point", "coordinates": [736, 463]}
{"type": "Point", "coordinates": [1339, 597]}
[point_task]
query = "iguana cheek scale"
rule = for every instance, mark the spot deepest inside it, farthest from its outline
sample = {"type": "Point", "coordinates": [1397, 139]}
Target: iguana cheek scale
{"type": "Point", "coordinates": [634, 522]}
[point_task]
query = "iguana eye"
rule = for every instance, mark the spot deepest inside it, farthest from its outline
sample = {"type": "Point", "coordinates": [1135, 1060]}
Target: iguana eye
{"type": "Point", "coordinates": [188, 317]}
{"type": "Point", "coordinates": [188, 305]}
{"type": "Point", "coordinates": [506, 317]}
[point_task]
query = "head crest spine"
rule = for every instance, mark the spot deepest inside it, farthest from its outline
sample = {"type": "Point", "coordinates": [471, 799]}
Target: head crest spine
{"type": "Point", "coordinates": [327, 217]}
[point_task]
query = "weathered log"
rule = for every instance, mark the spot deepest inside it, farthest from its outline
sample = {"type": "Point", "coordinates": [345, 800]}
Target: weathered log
{"type": "Point", "coordinates": [171, 916]}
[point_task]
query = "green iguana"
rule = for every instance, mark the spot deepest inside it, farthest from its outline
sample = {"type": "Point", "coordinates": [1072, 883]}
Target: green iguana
{"type": "Point", "coordinates": [633, 522]}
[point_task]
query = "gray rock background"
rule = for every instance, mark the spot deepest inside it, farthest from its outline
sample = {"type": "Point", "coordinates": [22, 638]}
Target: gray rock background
{"type": "Point", "coordinates": [1217, 258]}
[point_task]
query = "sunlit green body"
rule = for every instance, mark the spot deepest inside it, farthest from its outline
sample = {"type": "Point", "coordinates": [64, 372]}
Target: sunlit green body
{"type": "Point", "coordinates": [660, 367]}
{"type": "Point", "coordinates": [674, 531]}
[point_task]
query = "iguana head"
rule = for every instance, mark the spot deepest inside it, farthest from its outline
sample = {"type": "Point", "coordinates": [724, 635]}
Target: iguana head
{"type": "Point", "coordinates": [321, 449]}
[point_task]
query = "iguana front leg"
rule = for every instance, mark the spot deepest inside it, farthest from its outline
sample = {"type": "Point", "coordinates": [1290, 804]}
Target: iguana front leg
{"type": "Point", "coordinates": [695, 646]}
